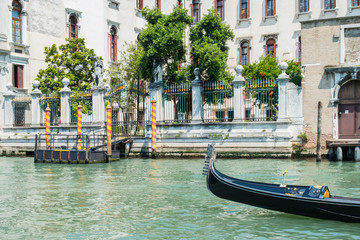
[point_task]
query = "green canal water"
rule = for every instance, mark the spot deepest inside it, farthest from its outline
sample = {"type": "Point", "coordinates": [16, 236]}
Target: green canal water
{"type": "Point", "coordinates": [160, 199]}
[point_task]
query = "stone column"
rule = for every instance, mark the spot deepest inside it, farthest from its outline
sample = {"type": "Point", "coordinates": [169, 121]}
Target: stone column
{"type": "Point", "coordinates": [197, 98]}
{"type": "Point", "coordinates": [65, 102]}
{"type": "Point", "coordinates": [239, 96]}
{"type": "Point", "coordinates": [8, 107]}
{"type": "Point", "coordinates": [98, 105]}
{"type": "Point", "coordinates": [283, 80]}
{"type": "Point", "coordinates": [157, 93]}
{"type": "Point", "coordinates": [35, 105]}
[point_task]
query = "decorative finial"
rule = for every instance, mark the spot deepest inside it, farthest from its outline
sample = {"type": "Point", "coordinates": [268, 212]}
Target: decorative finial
{"type": "Point", "coordinates": [65, 82]}
{"type": "Point", "coordinates": [283, 66]}
{"type": "Point", "coordinates": [197, 74]}
{"type": "Point", "coordinates": [9, 87]}
{"type": "Point", "coordinates": [238, 70]}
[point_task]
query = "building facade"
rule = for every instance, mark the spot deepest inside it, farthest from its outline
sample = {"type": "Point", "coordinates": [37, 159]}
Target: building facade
{"type": "Point", "coordinates": [261, 27]}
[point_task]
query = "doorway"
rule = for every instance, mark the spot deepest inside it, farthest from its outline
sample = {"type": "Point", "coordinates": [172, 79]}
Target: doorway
{"type": "Point", "coordinates": [349, 110]}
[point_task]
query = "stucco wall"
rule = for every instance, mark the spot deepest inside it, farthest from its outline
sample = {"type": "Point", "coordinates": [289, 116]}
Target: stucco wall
{"type": "Point", "coordinates": [321, 49]}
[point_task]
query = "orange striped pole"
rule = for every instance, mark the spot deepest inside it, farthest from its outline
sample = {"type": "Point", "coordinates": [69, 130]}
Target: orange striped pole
{"type": "Point", "coordinates": [48, 136]}
{"type": "Point", "coordinates": [153, 125]}
{"type": "Point", "coordinates": [79, 126]}
{"type": "Point", "coordinates": [108, 129]}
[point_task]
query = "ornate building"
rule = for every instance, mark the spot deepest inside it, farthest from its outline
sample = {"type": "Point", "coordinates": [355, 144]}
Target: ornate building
{"type": "Point", "coordinates": [261, 27]}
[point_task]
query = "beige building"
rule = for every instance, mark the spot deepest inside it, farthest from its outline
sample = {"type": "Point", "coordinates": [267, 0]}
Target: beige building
{"type": "Point", "coordinates": [331, 56]}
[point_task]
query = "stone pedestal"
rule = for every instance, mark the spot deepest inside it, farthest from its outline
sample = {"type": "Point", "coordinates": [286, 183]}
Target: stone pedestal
{"type": "Point", "coordinates": [239, 96]}
{"type": "Point", "coordinates": [65, 103]}
{"type": "Point", "coordinates": [283, 80]}
{"type": "Point", "coordinates": [157, 93]}
{"type": "Point", "coordinates": [35, 105]}
{"type": "Point", "coordinates": [197, 98]}
{"type": "Point", "coordinates": [8, 107]}
{"type": "Point", "coordinates": [98, 104]}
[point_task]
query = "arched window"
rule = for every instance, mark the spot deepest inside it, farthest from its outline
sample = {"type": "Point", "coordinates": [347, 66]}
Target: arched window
{"type": "Point", "coordinates": [270, 7]}
{"type": "Point", "coordinates": [329, 4]}
{"type": "Point", "coordinates": [219, 6]}
{"type": "Point", "coordinates": [73, 27]}
{"type": "Point", "coordinates": [270, 47]}
{"type": "Point", "coordinates": [244, 9]}
{"type": "Point", "coordinates": [158, 4]}
{"type": "Point", "coordinates": [113, 44]}
{"type": "Point", "coordinates": [139, 4]}
{"type": "Point", "coordinates": [244, 52]}
{"type": "Point", "coordinates": [16, 22]}
{"type": "Point", "coordinates": [195, 10]}
{"type": "Point", "coordinates": [303, 6]}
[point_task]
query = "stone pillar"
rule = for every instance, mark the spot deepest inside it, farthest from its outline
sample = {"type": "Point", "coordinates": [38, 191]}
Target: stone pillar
{"type": "Point", "coordinates": [283, 80]}
{"type": "Point", "coordinates": [35, 105]}
{"type": "Point", "coordinates": [8, 107]}
{"type": "Point", "coordinates": [157, 93]}
{"type": "Point", "coordinates": [65, 102]}
{"type": "Point", "coordinates": [197, 98]}
{"type": "Point", "coordinates": [239, 96]}
{"type": "Point", "coordinates": [98, 105]}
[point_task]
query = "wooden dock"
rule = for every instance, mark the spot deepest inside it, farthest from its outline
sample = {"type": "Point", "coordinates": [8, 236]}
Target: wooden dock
{"type": "Point", "coordinates": [340, 149]}
{"type": "Point", "coordinates": [78, 149]}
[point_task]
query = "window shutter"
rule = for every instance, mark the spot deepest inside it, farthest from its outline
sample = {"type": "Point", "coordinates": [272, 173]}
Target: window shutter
{"type": "Point", "coordinates": [215, 5]}
{"type": "Point", "coordinates": [20, 76]}
{"type": "Point", "coordinates": [13, 76]}
{"type": "Point", "coordinates": [141, 4]}
{"type": "Point", "coordinates": [266, 7]}
{"type": "Point", "coordinates": [70, 30]}
{"type": "Point", "coordinates": [115, 48]}
{"type": "Point", "coordinates": [192, 10]}
{"type": "Point", "coordinates": [76, 31]}
{"type": "Point", "coordinates": [274, 1]}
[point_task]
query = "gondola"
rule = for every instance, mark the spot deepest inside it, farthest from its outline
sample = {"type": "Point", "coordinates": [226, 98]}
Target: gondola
{"type": "Point", "coordinates": [311, 201]}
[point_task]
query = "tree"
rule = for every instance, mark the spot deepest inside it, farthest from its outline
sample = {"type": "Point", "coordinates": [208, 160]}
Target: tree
{"type": "Point", "coordinates": [163, 38]}
{"type": "Point", "coordinates": [209, 50]}
{"type": "Point", "coordinates": [268, 68]}
{"type": "Point", "coordinates": [128, 68]}
{"type": "Point", "coordinates": [71, 60]}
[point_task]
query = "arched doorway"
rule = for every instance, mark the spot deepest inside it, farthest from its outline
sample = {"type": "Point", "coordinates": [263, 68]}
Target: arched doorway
{"type": "Point", "coordinates": [349, 110]}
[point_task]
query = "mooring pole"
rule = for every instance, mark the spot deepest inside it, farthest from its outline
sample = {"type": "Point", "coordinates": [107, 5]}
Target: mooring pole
{"type": "Point", "coordinates": [48, 136]}
{"type": "Point", "coordinates": [318, 143]}
{"type": "Point", "coordinates": [153, 126]}
{"type": "Point", "coordinates": [108, 132]}
{"type": "Point", "coordinates": [79, 126]}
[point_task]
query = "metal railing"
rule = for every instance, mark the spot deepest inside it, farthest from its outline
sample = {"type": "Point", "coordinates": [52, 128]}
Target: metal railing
{"type": "Point", "coordinates": [218, 102]}
{"type": "Point", "coordinates": [261, 100]}
{"type": "Point", "coordinates": [55, 109]}
{"type": "Point", "coordinates": [177, 103]}
{"type": "Point", "coordinates": [130, 106]}
{"type": "Point", "coordinates": [22, 110]}
{"type": "Point", "coordinates": [85, 99]}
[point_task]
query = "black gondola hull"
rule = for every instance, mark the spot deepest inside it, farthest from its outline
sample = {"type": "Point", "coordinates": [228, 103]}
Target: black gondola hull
{"type": "Point", "coordinates": [270, 196]}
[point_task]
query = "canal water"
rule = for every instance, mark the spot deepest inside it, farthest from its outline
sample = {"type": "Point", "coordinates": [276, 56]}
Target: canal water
{"type": "Point", "coordinates": [160, 199]}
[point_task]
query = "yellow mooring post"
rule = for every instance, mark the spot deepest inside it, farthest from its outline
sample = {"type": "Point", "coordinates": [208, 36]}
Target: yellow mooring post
{"type": "Point", "coordinates": [79, 126]}
{"type": "Point", "coordinates": [153, 126]}
{"type": "Point", "coordinates": [48, 136]}
{"type": "Point", "coordinates": [108, 132]}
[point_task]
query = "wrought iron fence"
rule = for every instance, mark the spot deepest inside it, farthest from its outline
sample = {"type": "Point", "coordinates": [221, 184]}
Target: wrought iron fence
{"type": "Point", "coordinates": [130, 105]}
{"type": "Point", "coordinates": [85, 100]}
{"type": "Point", "coordinates": [218, 102]}
{"type": "Point", "coordinates": [177, 103]}
{"type": "Point", "coordinates": [55, 109]}
{"type": "Point", "coordinates": [261, 100]}
{"type": "Point", "coordinates": [22, 110]}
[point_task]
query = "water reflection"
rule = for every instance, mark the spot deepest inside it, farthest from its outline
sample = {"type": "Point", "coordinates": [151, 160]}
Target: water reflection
{"type": "Point", "coordinates": [160, 199]}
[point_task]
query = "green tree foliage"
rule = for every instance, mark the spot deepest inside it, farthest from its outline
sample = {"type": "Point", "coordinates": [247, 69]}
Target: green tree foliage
{"type": "Point", "coordinates": [163, 38]}
{"type": "Point", "coordinates": [268, 68]}
{"type": "Point", "coordinates": [71, 60]}
{"type": "Point", "coordinates": [128, 68]}
{"type": "Point", "coordinates": [209, 50]}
